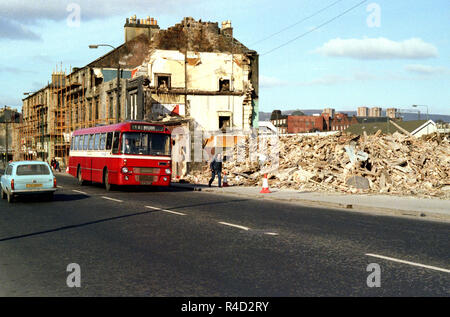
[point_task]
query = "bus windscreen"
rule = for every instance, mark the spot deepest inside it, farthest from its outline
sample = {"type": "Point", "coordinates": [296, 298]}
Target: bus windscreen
{"type": "Point", "coordinates": [141, 143]}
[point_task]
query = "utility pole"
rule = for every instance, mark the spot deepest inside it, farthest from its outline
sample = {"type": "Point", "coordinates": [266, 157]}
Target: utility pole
{"type": "Point", "coordinates": [6, 137]}
{"type": "Point", "coordinates": [415, 106]}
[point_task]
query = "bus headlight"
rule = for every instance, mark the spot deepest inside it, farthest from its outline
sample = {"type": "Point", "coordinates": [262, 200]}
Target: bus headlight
{"type": "Point", "coordinates": [125, 170]}
{"type": "Point", "coordinates": [167, 171]}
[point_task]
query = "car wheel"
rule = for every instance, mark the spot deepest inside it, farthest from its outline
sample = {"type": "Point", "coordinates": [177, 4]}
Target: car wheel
{"type": "Point", "coordinates": [79, 177]}
{"type": "Point", "coordinates": [10, 197]}
{"type": "Point", "coordinates": [2, 193]}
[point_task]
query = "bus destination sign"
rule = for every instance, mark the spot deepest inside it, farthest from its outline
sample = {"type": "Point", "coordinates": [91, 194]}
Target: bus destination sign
{"type": "Point", "coordinates": [143, 127]}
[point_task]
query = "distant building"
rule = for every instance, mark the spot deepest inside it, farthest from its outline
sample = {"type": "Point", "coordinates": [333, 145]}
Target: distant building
{"type": "Point", "coordinates": [10, 119]}
{"type": "Point", "coordinates": [319, 123]}
{"type": "Point", "coordinates": [279, 120]}
{"type": "Point", "coordinates": [375, 112]}
{"type": "Point", "coordinates": [391, 113]}
{"type": "Point", "coordinates": [416, 128]}
{"type": "Point", "coordinates": [329, 111]}
{"type": "Point", "coordinates": [303, 124]}
{"type": "Point", "coordinates": [363, 112]}
{"type": "Point", "coordinates": [341, 122]}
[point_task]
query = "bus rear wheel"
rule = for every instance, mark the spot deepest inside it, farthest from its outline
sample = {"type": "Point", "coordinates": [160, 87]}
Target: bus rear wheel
{"type": "Point", "coordinates": [106, 180]}
{"type": "Point", "coordinates": [79, 177]}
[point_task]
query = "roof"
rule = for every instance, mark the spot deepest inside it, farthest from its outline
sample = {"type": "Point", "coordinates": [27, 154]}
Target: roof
{"type": "Point", "coordinates": [385, 127]}
{"type": "Point", "coordinates": [113, 127]}
{"type": "Point", "coordinates": [27, 162]}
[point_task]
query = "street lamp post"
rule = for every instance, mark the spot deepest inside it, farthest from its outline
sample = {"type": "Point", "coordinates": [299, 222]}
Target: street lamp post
{"type": "Point", "coordinates": [415, 106]}
{"type": "Point", "coordinates": [95, 46]}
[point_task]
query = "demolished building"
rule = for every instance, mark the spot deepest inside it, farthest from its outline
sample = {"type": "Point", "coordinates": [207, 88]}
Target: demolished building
{"type": "Point", "coordinates": [193, 75]}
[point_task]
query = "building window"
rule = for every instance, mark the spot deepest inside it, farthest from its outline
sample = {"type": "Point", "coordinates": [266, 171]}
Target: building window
{"type": "Point", "coordinates": [96, 109]}
{"type": "Point", "coordinates": [224, 122]}
{"type": "Point", "coordinates": [224, 85]}
{"type": "Point", "coordinates": [111, 106]}
{"type": "Point", "coordinates": [133, 106]}
{"type": "Point", "coordinates": [163, 82]}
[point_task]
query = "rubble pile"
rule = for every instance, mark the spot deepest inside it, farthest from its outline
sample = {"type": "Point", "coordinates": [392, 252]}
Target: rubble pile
{"type": "Point", "coordinates": [396, 164]}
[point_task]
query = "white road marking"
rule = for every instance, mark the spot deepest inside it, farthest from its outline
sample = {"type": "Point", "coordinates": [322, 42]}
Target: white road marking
{"type": "Point", "coordinates": [165, 210]}
{"type": "Point", "coordinates": [113, 199]}
{"type": "Point", "coordinates": [79, 191]}
{"type": "Point", "coordinates": [233, 225]}
{"type": "Point", "coordinates": [271, 233]}
{"type": "Point", "coordinates": [408, 262]}
{"type": "Point", "coordinates": [60, 186]}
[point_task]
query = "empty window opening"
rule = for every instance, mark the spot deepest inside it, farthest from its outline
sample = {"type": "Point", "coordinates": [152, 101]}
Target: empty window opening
{"type": "Point", "coordinates": [163, 82]}
{"type": "Point", "coordinates": [224, 122]}
{"type": "Point", "coordinates": [224, 85]}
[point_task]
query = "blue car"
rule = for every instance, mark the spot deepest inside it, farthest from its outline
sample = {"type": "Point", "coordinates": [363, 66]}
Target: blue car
{"type": "Point", "coordinates": [27, 177]}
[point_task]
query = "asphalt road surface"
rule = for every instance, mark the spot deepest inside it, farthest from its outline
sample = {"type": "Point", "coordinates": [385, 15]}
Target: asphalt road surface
{"type": "Point", "coordinates": [171, 242]}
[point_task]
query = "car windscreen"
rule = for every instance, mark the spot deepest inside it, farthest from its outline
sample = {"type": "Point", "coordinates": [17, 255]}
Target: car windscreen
{"type": "Point", "coordinates": [32, 169]}
{"type": "Point", "coordinates": [143, 143]}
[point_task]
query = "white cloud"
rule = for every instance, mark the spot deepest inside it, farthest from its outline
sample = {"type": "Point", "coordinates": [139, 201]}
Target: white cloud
{"type": "Point", "coordinates": [426, 69]}
{"type": "Point", "coordinates": [31, 11]}
{"type": "Point", "coordinates": [269, 82]}
{"type": "Point", "coordinates": [16, 16]}
{"type": "Point", "coordinates": [378, 48]}
{"type": "Point", "coordinates": [326, 80]}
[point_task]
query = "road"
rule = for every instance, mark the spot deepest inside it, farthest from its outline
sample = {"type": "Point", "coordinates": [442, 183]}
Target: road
{"type": "Point", "coordinates": [171, 242]}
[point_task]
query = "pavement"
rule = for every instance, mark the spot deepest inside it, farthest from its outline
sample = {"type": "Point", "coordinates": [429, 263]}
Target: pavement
{"type": "Point", "coordinates": [426, 208]}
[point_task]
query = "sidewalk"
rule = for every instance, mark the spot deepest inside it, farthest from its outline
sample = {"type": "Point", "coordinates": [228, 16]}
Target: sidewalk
{"type": "Point", "coordinates": [431, 208]}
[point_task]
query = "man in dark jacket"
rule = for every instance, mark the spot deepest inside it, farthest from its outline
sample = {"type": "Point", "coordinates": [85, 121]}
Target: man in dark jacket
{"type": "Point", "coordinates": [216, 168]}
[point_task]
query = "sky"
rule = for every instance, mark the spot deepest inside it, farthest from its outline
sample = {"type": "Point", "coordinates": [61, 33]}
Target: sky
{"type": "Point", "coordinates": [314, 54]}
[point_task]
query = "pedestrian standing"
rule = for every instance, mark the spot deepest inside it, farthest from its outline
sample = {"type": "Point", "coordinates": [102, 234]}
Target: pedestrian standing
{"type": "Point", "coordinates": [216, 169]}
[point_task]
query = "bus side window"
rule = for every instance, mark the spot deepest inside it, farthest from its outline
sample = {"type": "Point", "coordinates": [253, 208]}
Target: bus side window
{"type": "Point", "coordinates": [109, 138]}
{"type": "Point", "coordinates": [80, 143]}
{"type": "Point", "coordinates": [75, 143]}
{"type": "Point", "coordinates": [97, 142]}
{"type": "Point", "coordinates": [85, 142]}
{"type": "Point", "coordinates": [102, 142]}
{"type": "Point", "coordinates": [115, 148]}
{"type": "Point", "coordinates": [91, 142]}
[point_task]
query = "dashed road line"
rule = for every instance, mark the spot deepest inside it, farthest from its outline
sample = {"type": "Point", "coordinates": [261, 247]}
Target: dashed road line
{"type": "Point", "coordinates": [233, 225]}
{"type": "Point", "coordinates": [79, 191]}
{"type": "Point", "coordinates": [408, 262]}
{"type": "Point", "coordinates": [113, 199]}
{"type": "Point", "coordinates": [166, 210]}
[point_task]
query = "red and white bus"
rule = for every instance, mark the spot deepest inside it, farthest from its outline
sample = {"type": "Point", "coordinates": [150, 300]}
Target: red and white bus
{"type": "Point", "coordinates": [128, 153]}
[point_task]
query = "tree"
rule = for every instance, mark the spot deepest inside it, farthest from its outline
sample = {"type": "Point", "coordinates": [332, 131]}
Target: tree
{"type": "Point", "coordinates": [297, 113]}
{"type": "Point", "coordinates": [276, 114]}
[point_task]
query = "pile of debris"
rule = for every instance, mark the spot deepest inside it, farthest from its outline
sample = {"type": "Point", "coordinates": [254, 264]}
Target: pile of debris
{"type": "Point", "coordinates": [397, 164]}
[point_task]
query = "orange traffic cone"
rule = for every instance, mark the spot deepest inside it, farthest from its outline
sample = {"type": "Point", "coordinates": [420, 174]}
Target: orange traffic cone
{"type": "Point", "coordinates": [67, 170]}
{"type": "Point", "coordinates": [265, 189]}
{"type": "Point", "coordinates": [225, 181]}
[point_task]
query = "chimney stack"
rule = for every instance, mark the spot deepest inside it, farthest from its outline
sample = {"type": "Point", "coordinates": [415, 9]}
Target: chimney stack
{"type": "Point", "coordinates": [227, 29]}
{"type": "Point", "coordinates": [135, 27]}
